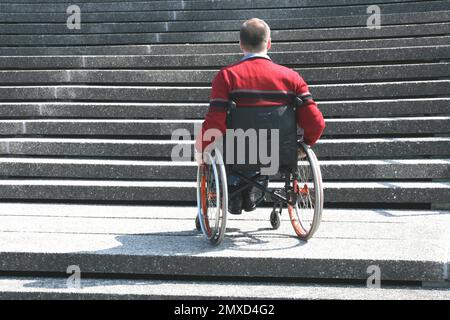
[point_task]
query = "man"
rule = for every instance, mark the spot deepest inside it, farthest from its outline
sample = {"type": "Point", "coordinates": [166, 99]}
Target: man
{"type": "Point", "coordinates": [256, 81]}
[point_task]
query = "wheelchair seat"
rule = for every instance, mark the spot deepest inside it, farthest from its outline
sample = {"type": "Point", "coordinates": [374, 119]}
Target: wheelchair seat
{"type": "Point", "coordinates": [257, 136]}
{"type": "Point", "coordinates": [254, 133]}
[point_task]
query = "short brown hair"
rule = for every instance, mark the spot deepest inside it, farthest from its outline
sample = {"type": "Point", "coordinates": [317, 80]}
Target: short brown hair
{"type": "Point", "coordinates": [255, 33]}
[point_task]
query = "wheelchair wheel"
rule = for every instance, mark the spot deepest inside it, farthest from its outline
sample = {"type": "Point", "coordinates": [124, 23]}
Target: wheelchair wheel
{"type": "Point", "coordinates": [305, 209]}
{"type": "Point", "coordinates": [275, 220]}
{"type": "Point", "coordinates": [212, 197]}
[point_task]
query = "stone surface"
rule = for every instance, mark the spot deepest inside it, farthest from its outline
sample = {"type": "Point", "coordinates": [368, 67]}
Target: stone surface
{"type": "Point", "coordinates": [143, 110]}
{"type": "Point", "coordinates": [232, 2]}
{"type": "Point", "coordinates": [56, 288]}
{"type": "Point", "coordinates": [335, 127]}
{"type": "Point", "coordinates": [205, 77]}
{"type": "Point", "coordinates": [177, 5]}
{"type": "Point", "coordinates": [201, 94]}
{"type": "Point", "coordinates": [242, 14]}
{"type": "Point", "coordinates": [382, 147]}
{"type": "Point", "coordinates": [213, 37]}
{"type": "Point", "coordinates": [407, 245]}
{"type": "Point", "coordinates": [161, 49]}
{"type": "Point", "coordinates": [408, 193]}
{"type": "Point", "coordinates": [160, 170]}
{"type": "Point", "coordinates": [290, 58]}
{"type": "Point", "coordinates": [147, 149]}
{"type": "Point", "coordinates": [216, 25]}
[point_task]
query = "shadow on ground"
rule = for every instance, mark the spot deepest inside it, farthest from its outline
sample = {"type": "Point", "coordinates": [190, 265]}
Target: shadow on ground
{"type": "Point", "coordinates": [185, 243]}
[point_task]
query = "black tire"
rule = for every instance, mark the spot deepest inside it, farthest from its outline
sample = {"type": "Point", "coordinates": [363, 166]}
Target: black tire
{"type": "Point", "coordinates": [275, 220]}
{"type": "Point", "coordinates": [197, 224]}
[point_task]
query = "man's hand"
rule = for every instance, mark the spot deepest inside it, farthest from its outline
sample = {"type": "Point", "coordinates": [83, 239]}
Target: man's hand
{"type": "Point", "coordinates": [199, 158]}
{"type": "Point", "coordinates": [301, 154]}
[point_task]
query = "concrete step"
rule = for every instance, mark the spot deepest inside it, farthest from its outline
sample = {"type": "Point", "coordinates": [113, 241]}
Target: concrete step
{"type": "Point", "coordinates": [381, 126]}
{"type": "Point", "coordinates": [124, 6]}
{"type": "Point", "coordinates": [291, 58]}
{"type": "Point", "coordinates": [359, 91]}
{"type": "Point", "coordinates": [161, 170]}
{"type": "Point", "coordinates": [148, 149]}
{"type": "Point", "coordinates": [205, 77]}
{"type": "Point", "coordinates": [163, 49]}
{"type": "Point", "coordinates": [56, 288]}
{"type": "Point", "coordinates": [226, 14]}
{"type": "Point", "coordinates": [174, 191]}
{"type": "Point", "coordinates": [219, 25]}
{"type": "Point", "coordinates": [407, 245]}
{"type": "Point", "coordinates": [164, 110]}
{"type": "Point", "coordinates": [432, 29]}
{"type": "Point", "coordinates": [303, 2]}
{"type": "Point", "coordinates": [114, 127]}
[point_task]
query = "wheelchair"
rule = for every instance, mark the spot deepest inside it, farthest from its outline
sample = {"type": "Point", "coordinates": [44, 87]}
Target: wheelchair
{"type": "Point", "coordinates": [300, 189]}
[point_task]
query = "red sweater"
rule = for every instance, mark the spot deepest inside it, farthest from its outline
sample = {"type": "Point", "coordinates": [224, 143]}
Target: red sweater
{"type": "Point", "coordinates": [260, 82]}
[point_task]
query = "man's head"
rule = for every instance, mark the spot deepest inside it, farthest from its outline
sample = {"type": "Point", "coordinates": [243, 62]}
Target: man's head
{"type": "Point", "coordinates": [255, 36]}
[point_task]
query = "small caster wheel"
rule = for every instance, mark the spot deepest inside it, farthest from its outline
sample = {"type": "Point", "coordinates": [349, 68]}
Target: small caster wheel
{"type": "Point", "coordinates": [197, 224]}
{"type": "Point", "coordinates": [275, 220]}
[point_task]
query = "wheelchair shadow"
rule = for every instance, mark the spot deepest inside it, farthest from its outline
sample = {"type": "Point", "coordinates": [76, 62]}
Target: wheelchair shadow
{"type": "Point", "coordinates": [184, 243]}
{"type": "Point", "coordinates": [193, 242]}
{"type": "Point", "coordinates": [255, 240]}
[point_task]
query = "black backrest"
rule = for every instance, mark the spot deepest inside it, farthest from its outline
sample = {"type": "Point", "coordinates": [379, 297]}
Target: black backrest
{"type": "Point", "coordinates": [256, 119]}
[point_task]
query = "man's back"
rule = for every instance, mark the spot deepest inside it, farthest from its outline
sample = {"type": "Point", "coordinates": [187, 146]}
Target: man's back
{"type": "Point", "coordinates": [257, 81]}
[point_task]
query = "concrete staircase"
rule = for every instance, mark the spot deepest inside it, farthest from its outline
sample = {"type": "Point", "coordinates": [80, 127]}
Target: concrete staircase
{"type": "Point", "coordinates": [86, 118]}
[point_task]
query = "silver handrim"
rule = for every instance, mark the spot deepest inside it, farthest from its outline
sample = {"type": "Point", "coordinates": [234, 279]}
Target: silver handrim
{"type": "Point", "coordinates": [308, 207]}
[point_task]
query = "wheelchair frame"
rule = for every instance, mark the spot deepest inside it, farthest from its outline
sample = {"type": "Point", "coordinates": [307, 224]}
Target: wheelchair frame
{"type": "Point", "coordinates": [290, 197]}
{"type": "Point", "coordinates": [289, 194]}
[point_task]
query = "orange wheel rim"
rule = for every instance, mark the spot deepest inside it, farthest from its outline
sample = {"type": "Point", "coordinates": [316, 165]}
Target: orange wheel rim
{"type": "Point", "coordinates": [204, 199]}
{"type": "Point", "coordinates": [203, 193]}
{"type": "Point", "coordinates": [297, 227]}
{"type": "Point", "coordinates": [292, 215]}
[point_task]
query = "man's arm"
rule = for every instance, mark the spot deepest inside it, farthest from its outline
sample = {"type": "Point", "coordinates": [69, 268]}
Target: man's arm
{"type": "Point", "coordinates": [309, 117]}
{"type": "Point", "coordinates": [217, 112]}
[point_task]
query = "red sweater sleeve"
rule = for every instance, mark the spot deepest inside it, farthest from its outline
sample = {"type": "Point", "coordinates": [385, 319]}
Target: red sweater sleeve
{"type": "Point", "coordinates": [309, 117]}
{"type": "Point", "coordinates": [216, 116]}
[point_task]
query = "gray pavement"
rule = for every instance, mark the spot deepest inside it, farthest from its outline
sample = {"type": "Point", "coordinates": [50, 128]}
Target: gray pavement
{"type": "Point", "coordinates": [167, 110]}
{"type": "Point", "coordinates": [407, 245]}
{"type": "Point", "coordinates": [56, 288]}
